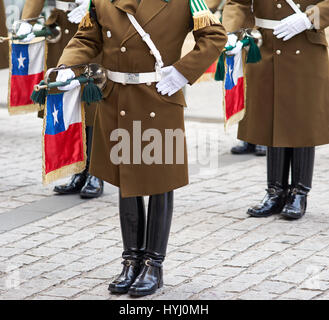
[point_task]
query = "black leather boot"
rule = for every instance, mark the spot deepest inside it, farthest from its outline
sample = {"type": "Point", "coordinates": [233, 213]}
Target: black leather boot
{"type": "Point", "coordinates": [243, 148]}
{"type": "Point", "coordinates": [133, 222]}
{"type": "Point", "coordinates": [75, 185]}
{"type": "Point", "coordinates": [93, 187]}
{"type": "Point", "coordinates": [278, 162]}
{"type": "Point", "coordinates": [160, 213]}
{"type": "Point", "coordinates": [260, 151]}
{"type": "Point", "coordinates": [302, 176]}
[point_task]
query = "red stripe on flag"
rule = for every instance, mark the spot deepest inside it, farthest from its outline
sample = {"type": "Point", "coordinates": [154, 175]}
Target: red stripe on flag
{"type": "Point", "coordinates": [234, 99]}
{"type": "Point", "coordinates": [21, 89]}
{"type": "Point", "coordinates": [212, 68]}
{"type": "Point", "coordinates": [64, 148]}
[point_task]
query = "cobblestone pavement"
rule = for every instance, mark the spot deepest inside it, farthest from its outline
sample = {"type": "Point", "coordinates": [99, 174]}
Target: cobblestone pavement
{"type": "Point", "coordinates": [215, 251]}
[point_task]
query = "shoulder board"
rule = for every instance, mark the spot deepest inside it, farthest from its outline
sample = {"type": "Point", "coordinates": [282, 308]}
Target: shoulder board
{"type": "Point", "coordinates": [202, 16]}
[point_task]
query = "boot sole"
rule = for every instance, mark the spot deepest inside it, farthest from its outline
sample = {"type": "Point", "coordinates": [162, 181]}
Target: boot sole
{"type": "Point", "coordinates": [88, 196]}
{"type": "Point", "coordinates": [254, 215]}
{"type": "Point", "coordinates": [143, 294]}
{"type": "Point", "coordinates": [118, 291]}
{"type": "Point", "coordinates": [290, 216]}
{"type": "Point", "coordinates": [66, 193]}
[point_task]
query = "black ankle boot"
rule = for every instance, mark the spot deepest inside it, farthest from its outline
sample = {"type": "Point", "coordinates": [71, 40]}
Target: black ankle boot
{"type": "Point", "coordinates": [278, 163]}
{"type": "Point", "coordinates": [93, 188]}
{"type": "Point", "coordinates": [74, 186]}
{"type": "Point", "coordinates": [302, 176]}
{"type": "Point", "coordinates": [273, 203]}
{"type": "Point", "coordinates": [132, 220]}
{"type": "Point", "coordinates": [131, 269]}
{"type": "Point", "coordinates": [160, 213]}
{"type": "Point", "coordinates": [296, 204]}
{"type": "Point", "coordinates": [243, 148]}
{"type": "Point", "coordinates": [149, 280]}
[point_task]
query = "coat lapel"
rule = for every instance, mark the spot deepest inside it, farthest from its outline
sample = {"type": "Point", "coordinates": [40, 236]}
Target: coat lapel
{"type": "Point", "coordinates": [146, 11]}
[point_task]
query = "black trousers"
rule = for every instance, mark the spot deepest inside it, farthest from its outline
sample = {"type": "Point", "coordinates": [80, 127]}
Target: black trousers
{"type": "Point", "coordinates": [298, 161]}
{"type": "Point", "coordinates": [146, 237]}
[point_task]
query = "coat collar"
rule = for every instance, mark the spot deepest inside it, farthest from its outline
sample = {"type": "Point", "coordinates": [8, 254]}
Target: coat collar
{"type": "Point", "coordinates": [143, 12]}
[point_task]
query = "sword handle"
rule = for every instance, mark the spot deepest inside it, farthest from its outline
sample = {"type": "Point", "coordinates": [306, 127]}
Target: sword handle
{"type": "Point", "coordinates": [57, 84]}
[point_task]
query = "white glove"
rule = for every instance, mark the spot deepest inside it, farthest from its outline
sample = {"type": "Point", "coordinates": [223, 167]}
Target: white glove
{"type": "Point", "coordinates": [292, 25]}
{"type": "Point", "coordinates": [76, 15]}
{"type": "Point", "coordinates": [26, 29]}
{"type": "Point", "coordinates": [172, 81]}
{"type": "Point", "coordinates": [231, 40]}
{"type": "Point", "coordinates": [237, 49]}
{"type": "Point", "coordinates": [63, 76]}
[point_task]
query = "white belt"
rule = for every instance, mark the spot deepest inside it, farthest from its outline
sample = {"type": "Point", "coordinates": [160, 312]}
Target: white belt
{"type": "Point", "coordinates": [266, 23]}
{"type": "Point", "coordinates": [133, 78]}
{"type": "Point", "coordinates": [65, 6]}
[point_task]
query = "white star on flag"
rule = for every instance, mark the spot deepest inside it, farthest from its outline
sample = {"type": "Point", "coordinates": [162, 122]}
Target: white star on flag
{"type": "Point", "coordinates": [55, 115]}
{"type": "Point", "coordinates": [21, 60]}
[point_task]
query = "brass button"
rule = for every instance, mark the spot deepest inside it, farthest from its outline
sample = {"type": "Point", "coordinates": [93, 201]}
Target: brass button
{"type": "Point", "coordinates": [66, 31]}
{"type": "Point", "coordinates": [123, 49]}
{"type": "Point", "coordinates": [298, 52]}
{"type": "Point", "coordinates": [278, 52]}
{"type": "Point", "coordinates": [279, 6]}
{"type": "Point", "coordinates": [122, 113]}
{"type": "Point", "coordinates": [152, 114]}
{"type": "Point", "coordinates": [109, 34]}
{"type": "Point", "coordinates": [148, 84]}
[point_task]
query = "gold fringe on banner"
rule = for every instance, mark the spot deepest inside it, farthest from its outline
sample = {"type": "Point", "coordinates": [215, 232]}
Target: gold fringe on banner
{"type": "Point", "coordinates": [31, 107]}
{"type": "Point", "coordinates": [68, 170]}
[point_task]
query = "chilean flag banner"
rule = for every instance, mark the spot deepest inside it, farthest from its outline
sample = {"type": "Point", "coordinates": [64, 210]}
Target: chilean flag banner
{"type": "Point", "coordinates": [27, 65]}
{"type": "Point", "coordinates": [64, 138]}
{"type": "Point", "coordinates": [234, 89]}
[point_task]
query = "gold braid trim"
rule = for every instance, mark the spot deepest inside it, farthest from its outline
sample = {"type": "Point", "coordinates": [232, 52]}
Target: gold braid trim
{"type": "Point", "coordinates": [86, 22]}
{"type": "Point", "coordinates": [204, 19]}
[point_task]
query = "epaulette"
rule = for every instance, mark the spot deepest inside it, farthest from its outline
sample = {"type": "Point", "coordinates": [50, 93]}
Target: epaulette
{"type": "Point", "coordinates": [86, 22]}
{"type": "Point", "coordinates": [202, 16]}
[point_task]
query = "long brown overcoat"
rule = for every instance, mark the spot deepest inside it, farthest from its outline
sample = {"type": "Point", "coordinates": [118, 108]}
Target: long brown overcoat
{"type": "Point", "coordinates": [32, 9]}
{"type": "Point", "coordinates": [288, 91]}
{"type": "Point", "coordinates": [168, 23]}
{"type": "Point", "coordinates": [3, 33]}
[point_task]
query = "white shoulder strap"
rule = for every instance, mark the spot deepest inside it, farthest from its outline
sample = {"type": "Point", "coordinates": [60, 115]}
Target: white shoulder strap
{"type": "Point", "coordinates": [147, 39]}
{"type": "Point", "coordinates": [293, 5]}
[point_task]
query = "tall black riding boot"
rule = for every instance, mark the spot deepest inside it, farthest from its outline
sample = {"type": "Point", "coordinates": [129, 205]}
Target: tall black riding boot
{"type": "Point", "coordinates": [159, 218]}
{"type": "Point", "coordinates": [93, 187]}
{"type": "Point", "coordinates": [302, 176]}
{"type": "Point", "coordinates": [278, 163]}
{"type": "Point", "coordinates": [133, 223]}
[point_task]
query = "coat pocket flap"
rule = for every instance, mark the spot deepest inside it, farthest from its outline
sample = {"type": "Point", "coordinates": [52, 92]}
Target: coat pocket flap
{"type": "Point", "coordinates": [317, 37]}
{"type": "Point", "coordinates": [177, 98]}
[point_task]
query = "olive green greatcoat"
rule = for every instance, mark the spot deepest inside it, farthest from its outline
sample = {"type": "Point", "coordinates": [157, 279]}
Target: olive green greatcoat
{"type": "Point", "coordinates": [3, 33]}
{"type": "Point", "coordinates": [32, 9]}
{"type": "Point", "coordinates": [168, 23]}
{"type": "Point", "coordinates": [288, 91]}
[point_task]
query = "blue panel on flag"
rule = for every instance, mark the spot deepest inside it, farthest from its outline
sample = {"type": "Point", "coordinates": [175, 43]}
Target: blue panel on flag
{"type": "Point", "coordinates": [229, 81]}
{"type": "Point", "coordinates": [20, 59]}
{"type": "Point", "coordinates": [55, 119]}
